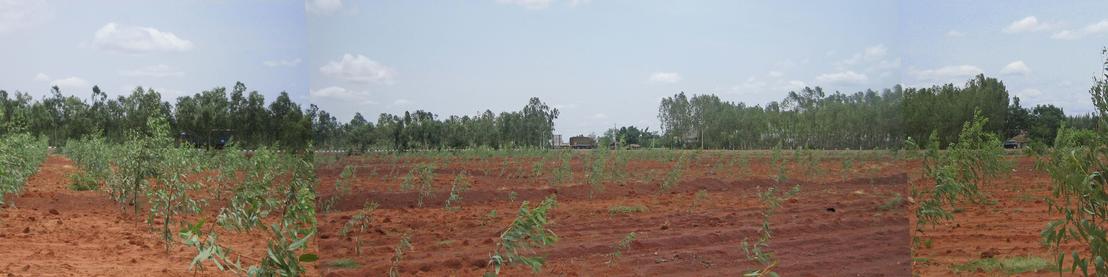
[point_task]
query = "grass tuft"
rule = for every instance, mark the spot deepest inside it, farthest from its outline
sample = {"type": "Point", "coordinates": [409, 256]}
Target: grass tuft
{"type": "Point", "coordinates": [894, 202]}
{"type": "Point", "coordinates": [344, 263]}
{"type": "Point", "coordinates": [619, 210]}
{"type": "Point", "coordinates": [1009, 265]}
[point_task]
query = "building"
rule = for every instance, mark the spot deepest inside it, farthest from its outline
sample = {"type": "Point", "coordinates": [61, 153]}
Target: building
{"type": "Point", "coordinates": [556, 141]}
{"type": "Point", "coordinates": [582, 142]}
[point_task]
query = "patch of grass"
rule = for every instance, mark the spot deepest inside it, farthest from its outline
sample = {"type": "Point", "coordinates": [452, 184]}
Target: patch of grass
{"type": "Point", "coordinates": [344, 263]}
{"type": "Point", "coordinates": [921, 260]}
{"type": "Point", "coordinates": [894, 202]}
{"type": "Point", "coordinates": [614, 210]}
{"type": "Point", "coordinates": [1010, 265]}
{"type": "Point", "coordinates": [82, 182]}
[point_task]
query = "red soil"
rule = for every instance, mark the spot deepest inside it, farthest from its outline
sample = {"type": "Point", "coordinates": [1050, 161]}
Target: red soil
{"type": "Point", "coordinates": [1010, 228]}
{"type": "Point", "coordinates": [856, 239]}
{"type": "Point", "coordinates": [51, 230]}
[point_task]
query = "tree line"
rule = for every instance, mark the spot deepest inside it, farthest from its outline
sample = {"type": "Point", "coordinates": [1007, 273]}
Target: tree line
{"type": "Point", "coordinates": [531, 126]}
{"type": "Point", "coordinates": [205, 119]}
{"type": "Point", "coordinates": [809, 117]}
{"type": "Point", "coordinates": [813, 118]}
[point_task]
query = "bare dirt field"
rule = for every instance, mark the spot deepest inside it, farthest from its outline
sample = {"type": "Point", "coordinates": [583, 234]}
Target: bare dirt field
{"type": "Point", "coordinates": [846, 221]}
{"type": "Point", "coordinates": [1010, 228]}
{"type": "Point", "coordinates": [51, 230]}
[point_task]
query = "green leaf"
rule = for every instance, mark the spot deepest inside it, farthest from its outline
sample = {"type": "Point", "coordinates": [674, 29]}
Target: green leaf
{"type": "Point", "coordinates": [309, 257]}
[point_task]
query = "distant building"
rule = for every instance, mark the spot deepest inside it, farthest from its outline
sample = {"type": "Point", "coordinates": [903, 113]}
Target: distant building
{"type": "Point", "coordinates": [557, 142]}
{"type": "Point", "coordinates": [1018, 141]}
{"type": "Point", "coordinates": [582, 142]}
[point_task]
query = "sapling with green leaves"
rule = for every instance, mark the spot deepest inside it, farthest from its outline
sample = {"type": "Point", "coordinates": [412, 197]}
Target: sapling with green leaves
{"type": "Point", "coordinates": [460, 185]}
{"type": "Point", "coordinates": [398, 252]}
{"type": "Point", "coordinates": [359, 220]}
{"type": "Point", "coordinates": [426, 182]}
{"type": "Point", "coordinates": [596, 175]}
{"type": "Point", "coordinates": [756, 251]}
{"type": "Point", "coordinates": [255, 197]}
{"type": "Point", "coordinates": [20, 156]}
{"type": "Point", "coordinates": [622, 246]}
{"type": "Point", "coordinates": [516, 245]}
{"type": "Point", "coordinates": [967, 164]}
{"type": "Point", "coordinates": [673, 177]}
{"type": "Point", "coordinates": [778, 161]}
{"type": "Point", "coordinates": [408, 182]}
{"type": "Point", "coordinates": [171, 194]}
{"type": "Point", "coordinates": [1077, 171]}
{"type": "Point", "coordinates": [847, 168]}
{"type": "Point", "coordinates": [342, 187]}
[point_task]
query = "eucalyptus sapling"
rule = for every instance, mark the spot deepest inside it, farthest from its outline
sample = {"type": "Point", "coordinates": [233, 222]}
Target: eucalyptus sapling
{"type": "Point", "coordinates": [756, 251]}
{"type": "Point", "coordinates": [622, 246]}
{"type": "Point", "coordinates": [398, 252]}
{"type": "Point", "coordinates": [461, 184]}
{"type": "Point", "coordinates": [527, 232]}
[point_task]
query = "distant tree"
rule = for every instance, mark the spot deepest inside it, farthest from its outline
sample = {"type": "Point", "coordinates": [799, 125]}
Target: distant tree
{"type": "Point", "coordinates": [1045, 123]}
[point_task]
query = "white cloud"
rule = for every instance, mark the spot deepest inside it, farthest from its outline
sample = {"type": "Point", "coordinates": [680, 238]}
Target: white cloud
{"type": "Point", "coordinates": [946, 72]}
{"type": "Point", "coordinates": [341, 94]}
{"type": "Point", "coordinates": [401, 102]}
{"type": "Point", "coordinates": [359, 69]}
{"type": "Point", "coordinates": [42, 77]}
{"type": "Point", "coordinates": [600, 116]}
{"type": "Point", "coordinates": [574, 3]}
{"type": "Point", "coordinates": [875, 52]}
{"type": "Point", "coordinates": [872, 60]}
{"type": "Point", "coordinates": [1028, 24]}
{"type": "Point", "coordinates": [1065, 34]}
{"type": "Point", "coordinates": [126, 39]}
{"type": "Point", "coordinates": [1029, 93]}
{"type": "Point", "coordinates": [870, 54]}
{"type": "Point", "coordinates": [955, 34]}
{"type": "Point", "coordinates": [774, 83]}
{"type": "Point", "coordinates": [22, 14]}
{"type": "Point", "coordinates": [531, 4]}
{"type": "Point", "coordinates": [665, 77]}
{"type": "Point", "coordinates": [322, 7]}
{"type": "Point", "coordinates": [71, 84]}
{"type": "Point", "coordinates": [886, 65]}
{"type": "Point", "coordinates": [1016, 68]}
{"type": "Point", "coordinates": [794, 85]}
{"type": "Point", "coordinates": [282, 63]}
{"type": "Point", "coordinates": [156, 71]}
{"type": "Point", "coordinates": [843, 78]}
{"type": "Point", "coordinates": [564, 106]}
{"type": "Point", "coordinates": [1088, 30]}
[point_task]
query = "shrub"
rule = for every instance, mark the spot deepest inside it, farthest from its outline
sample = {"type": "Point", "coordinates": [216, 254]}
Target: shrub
{"type": "Point", "coordinates": [528, 231]}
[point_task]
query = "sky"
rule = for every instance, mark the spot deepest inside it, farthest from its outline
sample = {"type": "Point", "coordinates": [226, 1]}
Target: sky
{"type": "Point", "coordinates": [1046, 52]}
{"type": "Point", "coordinates": [607, 63]}
{"type": "Point", "coordinates": [176, 47]}
{"type": "Point", "coordinates": [602, 63]}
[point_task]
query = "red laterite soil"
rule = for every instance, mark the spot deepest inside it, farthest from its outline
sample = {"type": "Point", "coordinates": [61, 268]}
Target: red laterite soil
{"type": "Point", "coordinates": [833, 227]}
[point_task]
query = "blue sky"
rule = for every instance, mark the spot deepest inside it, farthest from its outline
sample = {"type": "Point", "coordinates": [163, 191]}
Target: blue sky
{"type": "Point", "coordinates": [177, 47]}
{"type": "Point", "coordinates": [608, 62]}
{"type": "Point", "coordinates": [600, 62]}
{"type": "Point", "coordinates": [1046, 52]}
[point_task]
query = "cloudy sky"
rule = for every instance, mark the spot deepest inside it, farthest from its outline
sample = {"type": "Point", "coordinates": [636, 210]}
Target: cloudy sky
{"type": "Point", "coordinates": [607, 62]}
{"type": "Point", "coordinates": [601, 62]}
{"type": "Point", "coordinates": [177, 47]}
{"type": "Point", "coordinates": [1045, 52]}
